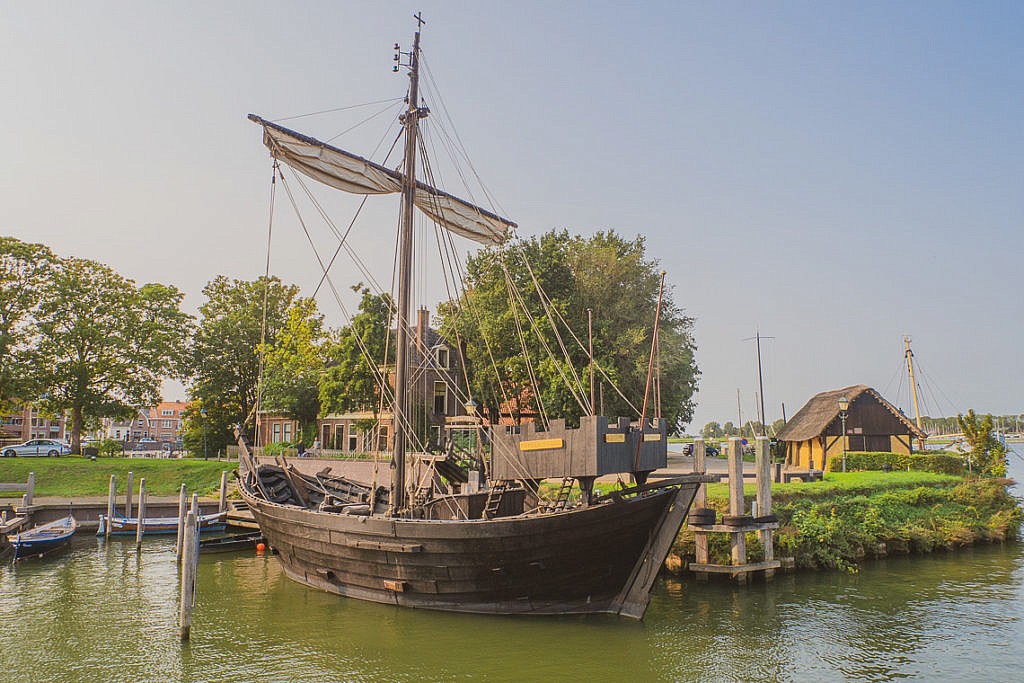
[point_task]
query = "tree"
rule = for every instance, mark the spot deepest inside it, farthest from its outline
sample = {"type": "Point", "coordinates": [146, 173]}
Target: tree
{"type": "Point", "coordinates": [105, 345]}
{"type": "Point", "coordinates": [729, 429]}
{"type": "Point", "coordinates": [522, 350]}
{"type": "Point", "coordinates": [293, 366]}
{"type": "Point", "coordinates": [24, 271]}
{"type": "Point", "coordinates": [351, 380]}
{"type": "Point", "coordinates": [224, 357]}
{"type": "Point", "coordinates": [712, 430]}
{"type": "Point", "coordinates": [987, 452]}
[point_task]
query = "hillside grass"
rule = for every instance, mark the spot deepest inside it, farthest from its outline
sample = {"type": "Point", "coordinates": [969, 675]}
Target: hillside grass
{"type": "Point", "coordinates": [73, 476]}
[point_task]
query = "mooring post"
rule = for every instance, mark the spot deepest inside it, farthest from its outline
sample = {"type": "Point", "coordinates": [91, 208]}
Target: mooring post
{"type": "Point", "coordinates": [110, 504]}
{"type": "Point", "coordinates": [738, 542]}
{"type": "Point", "coordinates": [128, 495]}
{"type": "Point", "coordinates": [140, 528]}
{"type": "Point", "coordinates": [700, 500]}
{"type": "Point", "coordinates": [195, 506]}
{"type": "Point", "coordinates": [763, 465]}
{"type": "Point", "coordinates": [181, 522]}
{"type": "Point", "coordinates": [223, 505]}
{"type": "Point", "coordinates": [189, 560]}
{"type": "Point", "coordinates": [30, 489]}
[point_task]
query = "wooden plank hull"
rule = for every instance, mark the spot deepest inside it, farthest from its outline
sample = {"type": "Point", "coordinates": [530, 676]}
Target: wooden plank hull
{"type": "Point", "coordinates": [44, 538]}
{"type": "Point", "coordinates": [582, 560]}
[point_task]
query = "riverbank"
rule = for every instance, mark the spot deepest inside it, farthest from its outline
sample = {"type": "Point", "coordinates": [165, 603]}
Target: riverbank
{"type": "Point", "coordinates": [847, 518]}
{"type": "Point", "coordinates": [76, 477]}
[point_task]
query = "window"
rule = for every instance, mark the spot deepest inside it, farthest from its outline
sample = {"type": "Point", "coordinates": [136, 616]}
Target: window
{"type": "Point", "coordinates": [435, 435]}
{"type": "Point", "coordinates": [288, 432]}
{"type": "Point", "coordinates": [382, 439]}
{"type": "Point", "coordinates": [168, 424]}
{"type": "Point", "coordinates": [339, 436]}
{"type": "Point", "coordinates": [166, 413]}
{"type": "Point", "coordinates": [441, 356]}
{"type": "Point", "coordinates": [277, 433]}
{"type": "Point", "coordinates": [440, 398]}
{"type": "Point", "coordinates": [353, 440]}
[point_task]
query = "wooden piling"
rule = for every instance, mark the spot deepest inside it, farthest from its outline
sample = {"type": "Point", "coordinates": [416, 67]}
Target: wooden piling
{"type": "Point", "coordinates": [189, 562]}
{"type": "Point", "coordinates": [110, 504]}
{"type": "Point", "coordinates": [195, 506]}
{"type": "Point", "coordinates": [128, 495]}
{"type": "Point", "coordinates": [223, 505]}
{"type": "Point", "coordinates": [30, 489]}
{"type": "Point", "coordinates": [763, 465]}
{"type": "Point", "coordinates": [181, 522]}
{"type": "Point", "coordinates": [140, 528]}
{"type": "Point", "coordinates": [738, 540]}
{"type": "Point", "coordinates": [700, 500]}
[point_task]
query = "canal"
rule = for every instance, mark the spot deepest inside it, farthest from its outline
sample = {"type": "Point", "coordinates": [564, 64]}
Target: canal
{"type": "Point", "coordinates": [103, 612]}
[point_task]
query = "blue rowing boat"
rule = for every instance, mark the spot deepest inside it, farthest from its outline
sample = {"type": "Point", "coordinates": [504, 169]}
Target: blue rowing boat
{"type": "Point", "coordinates": [43, 538]}
{"type": "Point", "coordinates": [128, 526]}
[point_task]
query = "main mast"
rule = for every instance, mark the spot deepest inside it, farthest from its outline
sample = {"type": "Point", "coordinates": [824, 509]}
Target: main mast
{"type": "Point", "coordinates": [410, 120]}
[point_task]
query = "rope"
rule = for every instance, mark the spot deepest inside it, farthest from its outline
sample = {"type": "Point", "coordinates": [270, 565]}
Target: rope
{"type": "Point", "coordinates": [266, 290]}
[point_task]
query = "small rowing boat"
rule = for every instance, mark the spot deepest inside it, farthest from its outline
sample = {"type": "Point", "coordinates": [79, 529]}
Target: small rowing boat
{"type": "Point", "coordinates": [223, 544]}
{"type": "Point", "coordinates": [43, 538]}
{"type": "Point", "coordinates": [128, 526]}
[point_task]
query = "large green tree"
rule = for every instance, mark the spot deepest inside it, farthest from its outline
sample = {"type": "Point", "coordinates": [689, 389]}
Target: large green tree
{"type": "Point", "coordinates": [293, 365]}
{"type": "Point", "coordinates": [24, 272]}
{"type": "Point", "coordinates": [522, 347]}
{"type": "Point", "coordinates": [351, 380]}
{"type": "Point", "coordinates": [224, 357]}
{"type": "Point", "coordinates": [105, 345]}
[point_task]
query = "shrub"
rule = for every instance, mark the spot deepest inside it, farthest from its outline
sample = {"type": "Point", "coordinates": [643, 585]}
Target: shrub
{"type": "Point", "coordinates": [110, 447]}
{"type": "Point", "coordinates": [940, 462]}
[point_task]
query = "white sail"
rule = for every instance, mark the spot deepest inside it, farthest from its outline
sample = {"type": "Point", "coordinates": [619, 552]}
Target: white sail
{"type": "Point", "coordinates": [351, 173]}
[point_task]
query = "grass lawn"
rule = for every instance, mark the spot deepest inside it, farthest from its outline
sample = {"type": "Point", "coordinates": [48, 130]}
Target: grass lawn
{"type": "Point", "coordinates": [838, 483]}
{"type": "Point", "coordinates": [70, 475]}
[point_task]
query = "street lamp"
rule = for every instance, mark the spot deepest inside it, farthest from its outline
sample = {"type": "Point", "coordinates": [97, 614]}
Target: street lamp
{"type": "Point", "coordinates": [844, 405]}
{"type": "Point", "coordinates": [202, 411]}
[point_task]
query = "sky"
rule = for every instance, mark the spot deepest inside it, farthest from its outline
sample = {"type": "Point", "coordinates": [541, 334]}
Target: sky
{"type": "Point", "coordinates": [832, 175]}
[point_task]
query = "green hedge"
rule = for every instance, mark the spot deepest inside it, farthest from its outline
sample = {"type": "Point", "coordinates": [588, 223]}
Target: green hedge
{"type": "Point", "coordinates": [941, 462]}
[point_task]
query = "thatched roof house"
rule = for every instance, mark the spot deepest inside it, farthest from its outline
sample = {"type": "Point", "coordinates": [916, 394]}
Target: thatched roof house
{"type": "Point", "coordinates": [815, 433]}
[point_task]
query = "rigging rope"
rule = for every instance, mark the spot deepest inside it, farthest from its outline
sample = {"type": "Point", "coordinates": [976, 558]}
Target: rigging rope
{"type": "Point", "coordinates": [266, 289]}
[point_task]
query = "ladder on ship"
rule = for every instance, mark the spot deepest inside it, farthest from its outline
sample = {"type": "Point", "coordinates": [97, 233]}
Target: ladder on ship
{"type": "Point", "coordinates": [562, 498]}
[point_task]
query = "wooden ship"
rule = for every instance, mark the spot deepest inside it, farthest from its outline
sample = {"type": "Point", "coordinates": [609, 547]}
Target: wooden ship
{"type": "Point", "coordinates": [483, 543]}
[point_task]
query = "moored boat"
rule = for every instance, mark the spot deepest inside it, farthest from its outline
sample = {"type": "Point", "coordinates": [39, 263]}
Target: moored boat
{"type": "Point", "coordinates": [474, 534]}
{"type": "Point", "coordinates": [43, 538]}
{"type": "Point", "coordinates": [128, 526]}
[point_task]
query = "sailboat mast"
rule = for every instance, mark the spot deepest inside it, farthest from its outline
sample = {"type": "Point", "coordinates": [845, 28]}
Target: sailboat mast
{"type": "Point", "coordinates": [411, 118]}
{"type": "Point", "coordinates": [913, 384]}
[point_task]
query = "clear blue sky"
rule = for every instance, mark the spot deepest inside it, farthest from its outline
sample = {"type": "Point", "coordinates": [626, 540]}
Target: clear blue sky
{"type": "Point", "coordinates": [834, 174]}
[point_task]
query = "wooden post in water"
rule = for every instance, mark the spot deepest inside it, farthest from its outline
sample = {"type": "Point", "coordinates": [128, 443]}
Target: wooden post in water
{"type": "Point", "coordinates": [700, 500]}
{"type": "Point", "coordinates": [195, 506]}
{"type": "Point", "coordinates": [128, 495]}
{"type": "Point", "coordinates": [30, 489]}
{"type": "Point", "coordinates": [223, 505]}
{"type": "Point", "coordinates": [181, 522]}
{"type": "Point", "coordinates": [110, 504]}
{"type": "Point", "coordinates": [763, 460]}
{"type": "Point", "coordinates": [140, 528]}
{"type": "Point", "coordinates": [189, 562]}
{"type": "Point", "coordinates": [738, 539]}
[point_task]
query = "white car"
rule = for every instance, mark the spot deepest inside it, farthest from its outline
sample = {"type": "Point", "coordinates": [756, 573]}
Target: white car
{"type": "Point", "coordinates": [35, 447]}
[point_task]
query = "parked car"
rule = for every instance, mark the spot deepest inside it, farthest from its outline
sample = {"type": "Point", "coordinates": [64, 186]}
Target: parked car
{"type": "Point", "coordinates": [36, 447]}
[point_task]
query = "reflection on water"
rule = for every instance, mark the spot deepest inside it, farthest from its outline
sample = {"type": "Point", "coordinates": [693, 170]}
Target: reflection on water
{"type": "Point", "coordinates": [101, 611]}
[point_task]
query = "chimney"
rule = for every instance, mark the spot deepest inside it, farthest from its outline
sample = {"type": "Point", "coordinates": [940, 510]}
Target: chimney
{"type": "Point", "coordinates": [422, 323]}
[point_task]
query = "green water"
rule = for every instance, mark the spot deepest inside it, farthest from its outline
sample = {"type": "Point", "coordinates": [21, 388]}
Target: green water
{"type": "Point", "coordinates": [103, 612]}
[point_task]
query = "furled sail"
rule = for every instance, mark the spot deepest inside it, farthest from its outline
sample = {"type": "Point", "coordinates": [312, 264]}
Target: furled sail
{"type": "Point", "coordinates": [351, 173]}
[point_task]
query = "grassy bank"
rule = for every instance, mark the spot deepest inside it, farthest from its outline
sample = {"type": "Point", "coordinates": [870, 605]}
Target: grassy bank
{"type": "Point", "coordinates": [73, 476]}
{"type": "Point", "coordinates": [846, 518]}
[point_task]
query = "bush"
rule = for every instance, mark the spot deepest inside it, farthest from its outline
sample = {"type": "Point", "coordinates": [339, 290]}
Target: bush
{"type": "Point", "coordinates": [110, 447]}
{"type": "Point", "coordinates": [940, 462]}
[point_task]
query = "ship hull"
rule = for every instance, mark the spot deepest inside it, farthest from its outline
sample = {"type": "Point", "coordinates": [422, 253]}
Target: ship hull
{"type": "Point", "coordinates": [601, 558]}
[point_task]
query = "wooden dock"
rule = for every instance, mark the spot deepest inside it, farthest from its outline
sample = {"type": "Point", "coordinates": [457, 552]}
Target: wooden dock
{"type": "Point", "coordinates": [739, 569]}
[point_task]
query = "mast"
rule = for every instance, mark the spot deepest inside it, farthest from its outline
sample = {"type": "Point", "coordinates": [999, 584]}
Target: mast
{"type": "Point", "coordinates": [410, 120]}
{"type": "Point", "coordinates": [909, 355]}
{"type": "Point", "coordinates": [760, 384]}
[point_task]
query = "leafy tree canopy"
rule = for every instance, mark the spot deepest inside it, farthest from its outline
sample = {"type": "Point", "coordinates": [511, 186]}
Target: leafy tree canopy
{"type": "Point", "coordinates": [294, 363]}
{"type": "Point", "coordinates": [224, 357]}
{"type": "Point", "coordinates": [514, 352]}
{"type": "Point", "coordinates": [24, 271]}
{"type": "Point", "coordinates": [104, 345]}
{"type": "Point", "coordinates": [988, 454]}
{"type": "Point", "coordinates": [350, 382]}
